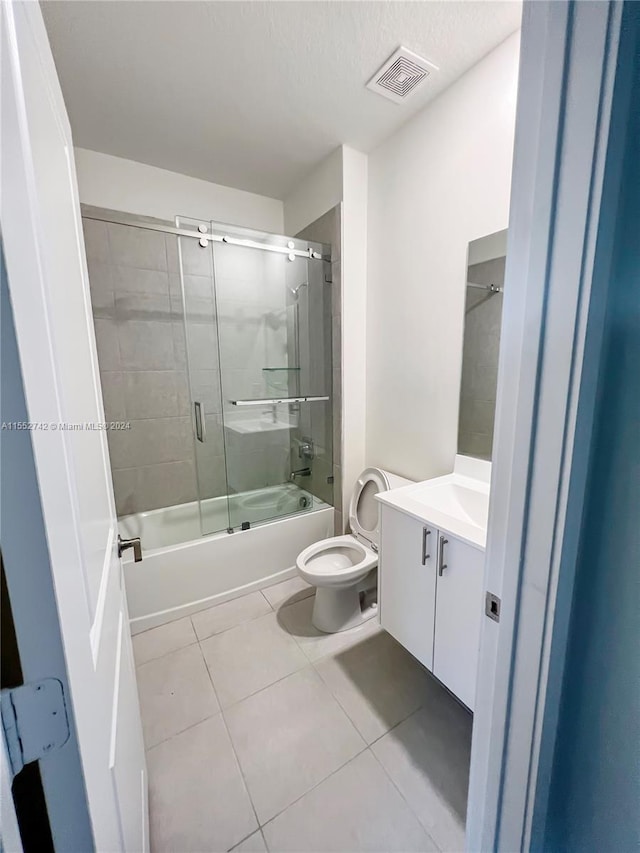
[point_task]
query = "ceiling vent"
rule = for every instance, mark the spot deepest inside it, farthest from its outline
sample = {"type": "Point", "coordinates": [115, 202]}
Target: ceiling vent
{"type": "Point", "coordinates": [401, 75]}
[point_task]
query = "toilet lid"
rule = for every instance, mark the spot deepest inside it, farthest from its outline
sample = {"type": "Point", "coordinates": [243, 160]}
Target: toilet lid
{"type": "Point", "coordinates": [363, 509]}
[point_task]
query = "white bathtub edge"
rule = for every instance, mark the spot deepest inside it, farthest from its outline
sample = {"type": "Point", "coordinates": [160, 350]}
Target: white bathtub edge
{"type": "Point", "coordinates": [173, 583]}
{"type": "Point", "coordinates": [153, 620]}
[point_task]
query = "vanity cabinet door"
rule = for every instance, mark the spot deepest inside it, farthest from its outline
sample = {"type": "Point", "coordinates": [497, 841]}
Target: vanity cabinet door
{"type": "Point", "coordinates": [407, 582]}
{"type": "Point", "coordinates": [458, 616]}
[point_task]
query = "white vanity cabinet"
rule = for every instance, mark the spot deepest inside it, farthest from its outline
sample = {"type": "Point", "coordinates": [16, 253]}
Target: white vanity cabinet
{"type": "Point", "coordinates": [430, 589]}
{"type": "Point", "coordinates": [407, 582]}
{"type": "Point", "coordinates": [456, 639]}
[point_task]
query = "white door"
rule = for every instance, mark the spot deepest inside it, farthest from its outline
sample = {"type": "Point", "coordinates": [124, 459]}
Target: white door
{"type": "Point", "coordinates": [459, 611]}
{"type": "Point", "coordinates": [48, 284]}
{"type": "Point", "coordinates": [408, 582]}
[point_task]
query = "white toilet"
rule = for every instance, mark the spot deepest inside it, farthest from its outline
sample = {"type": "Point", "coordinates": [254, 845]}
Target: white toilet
{"type": "Point", "coordinates": [344, 568]}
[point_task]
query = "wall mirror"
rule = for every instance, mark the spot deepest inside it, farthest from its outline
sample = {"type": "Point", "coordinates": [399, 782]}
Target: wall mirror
{"type": "Point", "coordinates": [481, 346]}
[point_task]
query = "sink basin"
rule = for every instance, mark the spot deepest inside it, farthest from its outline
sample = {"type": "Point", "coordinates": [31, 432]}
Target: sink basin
{"type": "Point", "coordinates": [456, 500]}
{"type": "Point", "coordinates": [457, 503]}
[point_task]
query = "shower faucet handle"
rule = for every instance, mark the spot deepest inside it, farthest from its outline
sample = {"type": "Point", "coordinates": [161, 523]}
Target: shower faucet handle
{"type": "Point", "coordinates": [306, 449]}
{"type": "Point", "coordinates": [124, 544]}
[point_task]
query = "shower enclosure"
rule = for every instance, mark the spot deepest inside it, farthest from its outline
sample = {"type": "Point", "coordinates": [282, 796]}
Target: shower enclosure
{"type": "Point", "coordinates": [214, 344]}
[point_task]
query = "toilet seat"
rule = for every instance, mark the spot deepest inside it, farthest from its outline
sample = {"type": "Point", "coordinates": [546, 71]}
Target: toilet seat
{"type": "Point", "coordinates": [336, 561]}
{"type": "Point", "coordinates": [363, 508]}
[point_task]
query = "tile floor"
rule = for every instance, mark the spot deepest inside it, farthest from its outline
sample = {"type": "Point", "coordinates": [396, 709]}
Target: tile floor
{"type": "Point", "coordinates": [264, 734]}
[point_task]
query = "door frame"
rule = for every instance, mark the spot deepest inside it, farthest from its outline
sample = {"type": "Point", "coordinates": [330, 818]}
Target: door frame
{"type": "Point", "coordinates": [564, 197]}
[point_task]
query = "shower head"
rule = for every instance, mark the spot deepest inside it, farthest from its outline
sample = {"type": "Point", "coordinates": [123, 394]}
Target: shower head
{"type": "Point", "coordinates": [294, 290]}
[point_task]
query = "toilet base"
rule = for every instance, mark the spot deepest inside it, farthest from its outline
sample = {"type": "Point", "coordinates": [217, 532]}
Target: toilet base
{"type": "Point", "coordinates": [340, 609]}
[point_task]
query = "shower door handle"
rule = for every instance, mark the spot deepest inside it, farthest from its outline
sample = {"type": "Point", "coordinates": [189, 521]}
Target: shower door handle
{"type": "Point", "coordinates": [201, 429]}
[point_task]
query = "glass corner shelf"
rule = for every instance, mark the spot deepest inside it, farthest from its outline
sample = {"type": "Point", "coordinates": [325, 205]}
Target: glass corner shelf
{"type": "Point", "coordinates": [274, 369]}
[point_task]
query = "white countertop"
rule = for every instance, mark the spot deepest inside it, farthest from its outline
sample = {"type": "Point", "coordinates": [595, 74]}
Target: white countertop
{"type": "Point", "coordinates": [457, 503]}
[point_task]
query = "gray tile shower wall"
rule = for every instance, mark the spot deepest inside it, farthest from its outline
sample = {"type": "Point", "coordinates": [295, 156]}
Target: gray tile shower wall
{"type": "Point", "coordinates": [325, 430]}
{"type": "Point", "coordinates": [480, 361]}
{"type": "Point", "coordinates": [138, 313]}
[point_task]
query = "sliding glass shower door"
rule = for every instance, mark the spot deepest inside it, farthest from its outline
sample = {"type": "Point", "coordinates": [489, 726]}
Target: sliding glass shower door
{"type": "Point", "coordinates": [274, 328]}
{"type": "Point", "coordinates": [198, 308]}
{"type": "Point", "coordinates": [258, 342]}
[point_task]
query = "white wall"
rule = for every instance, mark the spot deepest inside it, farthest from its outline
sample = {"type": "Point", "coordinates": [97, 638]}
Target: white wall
{"type": "Point", "coordinates": [118, 184]}
{"type": "Point", "coordinates": [441, 181]}
{"type": "Point", "coordinates": [317, 193]}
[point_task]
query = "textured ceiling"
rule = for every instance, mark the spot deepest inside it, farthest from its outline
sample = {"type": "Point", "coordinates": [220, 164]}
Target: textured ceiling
{"type": "Point", "coordinates": [252, 94]}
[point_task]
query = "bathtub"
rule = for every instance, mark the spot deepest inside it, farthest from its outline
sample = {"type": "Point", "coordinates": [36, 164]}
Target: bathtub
{"type": "Point", "coordinates": [183, 571]}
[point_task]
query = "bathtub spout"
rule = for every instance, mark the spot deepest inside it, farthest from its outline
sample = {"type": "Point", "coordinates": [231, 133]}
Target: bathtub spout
{"type": "Point", "coordinates": [301, 472]}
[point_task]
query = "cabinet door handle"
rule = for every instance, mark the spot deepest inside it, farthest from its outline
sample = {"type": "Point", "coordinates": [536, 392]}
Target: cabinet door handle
{"type": "Point", "coordinates": [441, 563]}
{"type": "Point", "coordinates": [425, 532]}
